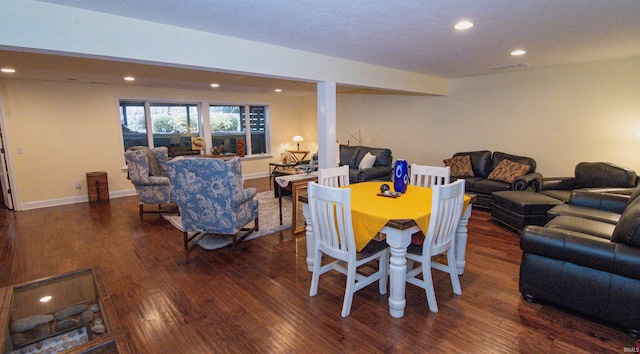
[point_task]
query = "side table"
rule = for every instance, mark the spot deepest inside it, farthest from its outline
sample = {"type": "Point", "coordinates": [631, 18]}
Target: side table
{"type": "Point", "coordinates": [274, 166]}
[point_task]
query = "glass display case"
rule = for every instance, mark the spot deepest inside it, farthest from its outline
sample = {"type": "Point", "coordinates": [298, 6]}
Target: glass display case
{"type": "Point", "coordinates": [69, 313]}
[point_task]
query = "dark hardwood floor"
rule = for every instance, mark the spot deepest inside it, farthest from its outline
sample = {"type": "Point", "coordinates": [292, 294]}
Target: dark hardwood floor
{"type": "Point", "coordinates": [171, 300]}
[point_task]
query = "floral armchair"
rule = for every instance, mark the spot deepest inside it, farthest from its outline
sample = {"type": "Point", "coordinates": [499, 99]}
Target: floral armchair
{"type": "Point", "coordinates": [149, 173]}
{"type": "Point", "coordinates": [211, 198]}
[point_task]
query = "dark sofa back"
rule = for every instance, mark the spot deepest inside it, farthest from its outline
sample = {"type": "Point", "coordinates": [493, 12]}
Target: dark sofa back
{"type": "Point", "coordinates": [352, 155]}
{"type": "Point", "coordinates": [603, 174]}
{"type": "Point", "coordinates": [499, 156]}
{"type": "Point", "coordinates": [480, 162]}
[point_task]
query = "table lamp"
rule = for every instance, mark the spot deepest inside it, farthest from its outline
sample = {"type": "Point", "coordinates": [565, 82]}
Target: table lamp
{"type": "Point", "coordinates": [298, 139]}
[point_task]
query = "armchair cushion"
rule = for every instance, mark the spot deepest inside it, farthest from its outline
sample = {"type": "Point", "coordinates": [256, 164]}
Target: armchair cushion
{"type": "Point", "coordinates": [508, 171]}
{"type": "Point", "coordinates": [460, 166]}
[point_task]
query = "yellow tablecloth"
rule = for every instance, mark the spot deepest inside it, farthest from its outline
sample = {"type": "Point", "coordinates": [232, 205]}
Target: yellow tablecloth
{"type": "Point", "coordinates": [370, 213]}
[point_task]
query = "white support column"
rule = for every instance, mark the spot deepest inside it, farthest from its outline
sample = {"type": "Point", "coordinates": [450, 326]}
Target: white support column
{"type": "Point", "coordinates": [326, 124]}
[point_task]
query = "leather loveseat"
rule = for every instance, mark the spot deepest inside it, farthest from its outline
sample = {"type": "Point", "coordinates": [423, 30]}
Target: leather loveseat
{"type": "Point", "coordinates": [381, 169]}
{"type": "Point", "coordinates": [480, 180]}
{"type": "Point", "coordinates": [588, 262]}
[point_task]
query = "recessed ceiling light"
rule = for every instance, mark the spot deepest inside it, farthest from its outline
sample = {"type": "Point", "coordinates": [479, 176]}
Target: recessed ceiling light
{"type": "Point", "coordinates": [45, 298]}
{"type": "Point", "coordinates": [8, 70]}
{"type": "Point", "coordinates": [129, 78]}
{"type": "Point", "coordinates": [463, 25]}
{"type": "Point", "coordinates": [518, 52]}
{"type": "Point", "coordinates": [278, 90]}
{"type": "Point", "coordinates": [215, 85]}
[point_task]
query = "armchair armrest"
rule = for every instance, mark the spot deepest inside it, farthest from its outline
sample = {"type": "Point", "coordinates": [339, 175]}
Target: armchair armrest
{"type": "Point", "coordinates": [523, 182]}
{"type": "Point", "coordinates": [243, 196]}
{"type": "Point", "coordinates": [581, 249]}
{"type": "Point", "coordinates": [615, 203]}
{"type": "Point", "coordinates": [376, 172]}
{"type": "Point", "coordinates": [556, 183]}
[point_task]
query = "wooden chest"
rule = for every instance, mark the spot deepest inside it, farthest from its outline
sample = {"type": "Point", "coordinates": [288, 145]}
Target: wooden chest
{"type": "Point", "coordinates": [97, 186]}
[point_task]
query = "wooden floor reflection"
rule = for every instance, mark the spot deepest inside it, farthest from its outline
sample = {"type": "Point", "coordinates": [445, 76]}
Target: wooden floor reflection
{"type": "Point", "coordinates": [171, 300]}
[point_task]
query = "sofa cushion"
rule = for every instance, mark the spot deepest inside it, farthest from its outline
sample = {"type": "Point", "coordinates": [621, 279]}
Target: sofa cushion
{"type": "Point", "coordinates": [488, 186]}
{"type": "Point", "coordinates": [367, 161]}
{"type": "Point", "coordinates": [508, 171]}
{"type": "Point", "coordinates": [603, 174]}
{"type": "Point", "coordinates": [460, 166]}
{"type": "Point", "coordinates": [584, 212]}
{"type": "Point", "coordinates": [480, 162]}
{"type": "Point", "coordinates": [585, 226]}
{"type": "Point", "coordinates": [499, 156]}
{"type": "Point", "coordinates": [349, 155]}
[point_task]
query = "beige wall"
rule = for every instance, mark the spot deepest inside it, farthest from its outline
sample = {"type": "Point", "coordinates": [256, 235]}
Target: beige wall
{"type": "Point", "coordinates": [68, 129]}
{"type": "Point", "coordinates": [559, 116]}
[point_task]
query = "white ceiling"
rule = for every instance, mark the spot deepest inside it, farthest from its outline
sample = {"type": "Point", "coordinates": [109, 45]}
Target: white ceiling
{"type": "Point", "coordinates": [412, 35]}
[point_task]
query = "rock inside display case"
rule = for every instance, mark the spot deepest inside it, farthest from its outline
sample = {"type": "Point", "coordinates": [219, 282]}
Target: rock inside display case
{"type": "Point", "coordinates": [70, 312]}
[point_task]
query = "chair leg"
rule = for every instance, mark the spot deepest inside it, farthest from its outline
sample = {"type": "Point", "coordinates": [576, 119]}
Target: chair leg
{"type": "Point", "coordinates": [315, 277]}
{"type": "Point", "coordinates": [141, 209]}
{"type": "Point", "coordinates": [348, 292]}
{"type": "Point", "coordinates": [453, 272]}
{"type": "Point", "coordinates": [428, 287]}
{"type": "Point", "coordinates": [186, 240]}
{"type": "Point", "coordinates": [383, 267]}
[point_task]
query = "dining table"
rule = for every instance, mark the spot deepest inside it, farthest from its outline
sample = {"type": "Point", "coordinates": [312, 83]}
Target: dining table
{"type": "Point", "coordinates": [394, 219]}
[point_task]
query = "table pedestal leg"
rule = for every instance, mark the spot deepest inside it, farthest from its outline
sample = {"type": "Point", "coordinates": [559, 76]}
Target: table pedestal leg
{"type": "Point", "coordinates": [398, 241]}
{"type": "Point", "coordinates": [461, 240]}
{"type": "Point", "coordinates": [309, 236]}
{"type": "Point", "coordinates": [397, 272]}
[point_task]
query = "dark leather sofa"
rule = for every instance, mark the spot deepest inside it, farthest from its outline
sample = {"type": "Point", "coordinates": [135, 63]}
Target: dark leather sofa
{"type": "Point", "coordinates": [595, 176]}
{"type": "Point", "coordinates": [483, 163]}
{"type": "Point", "coordinates": [382, 169]}
{"type": "Point", "coordinates": [588, 262]}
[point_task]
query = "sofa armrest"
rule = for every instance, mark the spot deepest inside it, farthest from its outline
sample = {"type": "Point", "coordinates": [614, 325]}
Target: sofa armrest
{"type": "Point", "coordinates": [523, 182]}
{"type": "Point", "coordinates": [376, 172]}
{"type": "Point", "coordinates": [615, 203]}
{"type": "Point", "coordinates": [556, 183]}
{"type": "Point", "coordinates": [581, 249]}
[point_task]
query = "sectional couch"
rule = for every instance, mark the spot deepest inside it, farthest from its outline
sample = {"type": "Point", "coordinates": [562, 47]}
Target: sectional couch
{"type": "Point", "coordinates": [587, 260]}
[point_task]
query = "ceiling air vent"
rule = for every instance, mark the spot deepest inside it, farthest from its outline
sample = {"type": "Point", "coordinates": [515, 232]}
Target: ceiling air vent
{"type": "Point", "coordinates": [510, 66]}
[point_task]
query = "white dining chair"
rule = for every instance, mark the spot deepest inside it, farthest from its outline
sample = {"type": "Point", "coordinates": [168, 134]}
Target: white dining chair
{"type": "Point", "coordinates": [331, 220]}
{"type": "Point", "coordinates": [334, 176]}
{"type": "Point", "coordinates": [427, 176]}
{"type": "Point", "coordinates": [446, 211]}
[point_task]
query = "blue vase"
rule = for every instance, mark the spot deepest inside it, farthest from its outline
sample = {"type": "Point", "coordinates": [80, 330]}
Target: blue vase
{"type": "Point", "coordinates": [400, 176]}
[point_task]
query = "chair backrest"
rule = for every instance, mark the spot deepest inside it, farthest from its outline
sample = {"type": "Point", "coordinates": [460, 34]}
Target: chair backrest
{"type": "Point", "coordinates": [143, 162]}
{"type": "Point", "coordinates": [446, 210]}
{"type": "Point", "coordinates": [428, 176]}
{"type": "Point", "coordinates": [334, 176]}
{"type": "Point", "coordinates": [331, 220]}
{"type": "Point", "coordinates": [205, 190]}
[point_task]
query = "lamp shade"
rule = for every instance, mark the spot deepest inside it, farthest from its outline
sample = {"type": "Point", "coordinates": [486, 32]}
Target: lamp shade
{"type": "Point", "coordinates": [298, 138]}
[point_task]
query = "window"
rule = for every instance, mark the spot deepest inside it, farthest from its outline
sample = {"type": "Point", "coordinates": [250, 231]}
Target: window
{"type": "Point", "coordinates": [155, 124]}
{"type": "Point", "coordinates": [229, 123]}
{"type": "Point", "coordinates": [171, 125]}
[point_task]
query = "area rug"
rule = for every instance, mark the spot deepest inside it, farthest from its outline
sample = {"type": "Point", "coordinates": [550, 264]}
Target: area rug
{"type": "Point", "coordinates": [269, 222]}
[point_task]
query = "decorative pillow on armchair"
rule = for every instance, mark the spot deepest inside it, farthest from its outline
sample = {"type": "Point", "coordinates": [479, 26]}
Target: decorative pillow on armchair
{"type": "Point", "coordinates": [367, 161]}
{"type": "Point", "coordinates": [508, 171]}
{"type": "Point", "coordinates": [460, 166]}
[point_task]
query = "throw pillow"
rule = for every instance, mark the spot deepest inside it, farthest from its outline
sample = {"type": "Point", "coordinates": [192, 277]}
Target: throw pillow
{"type": "Point", "coordinates": [367, 161]}
{"type": "Point", "coordinates": [460, 166]}
{"type": "Point", "coordinates": [508, 171]}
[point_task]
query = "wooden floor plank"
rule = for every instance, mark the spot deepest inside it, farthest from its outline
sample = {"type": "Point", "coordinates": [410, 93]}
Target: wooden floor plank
{"type": "Point", "coordinates": [172, 300]}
